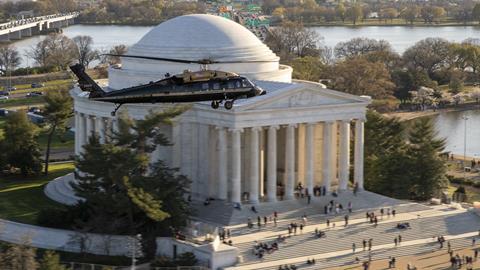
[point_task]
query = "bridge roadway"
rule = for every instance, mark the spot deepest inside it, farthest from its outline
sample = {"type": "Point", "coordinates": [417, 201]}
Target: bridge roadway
{"type": "Point", "coordinates": [457, 225]}
{"type": "Point", "coordinates": [18, 29]}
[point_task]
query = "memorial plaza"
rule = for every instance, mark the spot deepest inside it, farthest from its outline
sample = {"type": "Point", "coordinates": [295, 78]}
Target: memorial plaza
{"type": "Point", "coordinates": [276, 179]}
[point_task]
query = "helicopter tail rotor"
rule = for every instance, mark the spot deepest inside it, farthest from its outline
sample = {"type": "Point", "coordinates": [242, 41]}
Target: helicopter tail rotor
{"type": "Point", "coordinates": [85, 82]}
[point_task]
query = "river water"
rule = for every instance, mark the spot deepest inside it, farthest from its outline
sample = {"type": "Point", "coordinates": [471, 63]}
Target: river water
{"type": "Point", "coordinates": [400, 37]}
{"type": "Point", "coordinates": [448, 125]}
{"type": "Point", "coordinates": [451, 126]}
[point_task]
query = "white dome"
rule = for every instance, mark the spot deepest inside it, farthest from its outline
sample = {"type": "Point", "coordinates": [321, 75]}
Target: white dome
{"type": "Point", "coordinates": [198, 37]}
{"type": "Point", "coordinates": [202, 36]}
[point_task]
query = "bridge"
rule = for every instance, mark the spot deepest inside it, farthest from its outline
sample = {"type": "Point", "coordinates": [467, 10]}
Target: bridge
{"type": "Point", "coordinates": [18, 29]}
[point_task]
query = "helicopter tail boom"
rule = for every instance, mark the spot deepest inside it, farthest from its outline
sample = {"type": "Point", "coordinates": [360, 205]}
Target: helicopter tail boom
{"type": "Point", "coordinates": [85, 82]}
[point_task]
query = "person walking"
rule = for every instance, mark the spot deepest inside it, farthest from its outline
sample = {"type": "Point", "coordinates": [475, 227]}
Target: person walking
{"type": "Point", "coordinates": [364, 242]}
{"type": "Point", "coordinates": [395, 241]}
{"type": "Point", "coordinates": [393, 212]}
{"type": "Point", "coordinates": [328, 223]}
{"type": "Point", "coordinates": [399, 239]}
{"type": "Point", "coordinates": [370, 244]}
{"type": "Point", "coordinates": [346, 220]}
{"type": "Point", "coordinates": [353, 247]}
{"type": "Point", "coordinates": [474, 241]}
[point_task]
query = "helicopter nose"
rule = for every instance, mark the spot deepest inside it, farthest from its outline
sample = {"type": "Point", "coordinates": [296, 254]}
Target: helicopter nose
{"type": "Point", "coordinates": [259, 91]}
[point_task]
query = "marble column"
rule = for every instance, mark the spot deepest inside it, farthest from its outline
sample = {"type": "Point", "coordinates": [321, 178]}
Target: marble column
{"type": "Point", "coordinates": [327, 154]}
{"type": "Point", "coordinates": [272, 164]}
{"type": "Point", "coordinates": [290, 162]}
{"type": "Point", "coordinates": [82, 132]}
{"type": "Point", "coordinates": [222, 163]}
{"type": "Point", "coordinates": [254, 164]}
{"type": "Point", "coordinates": [344, 158]}
{"type": "Point", "coordinates": [90, 127]}
{"type": "Point", "coordinates": [310, 153]}
{"type": "Point", "coordinates": [100, 128]}
{"type": "Point", "coordinates": [77, 132]}
{"type": "Point", "coordinates": [236, 165]}
{"type": "Point", "coordinates": [358, 153]}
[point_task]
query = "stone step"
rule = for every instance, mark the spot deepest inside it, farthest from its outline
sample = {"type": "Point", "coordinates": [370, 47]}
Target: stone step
{"type": "Point", "coordinates": [307, 245]}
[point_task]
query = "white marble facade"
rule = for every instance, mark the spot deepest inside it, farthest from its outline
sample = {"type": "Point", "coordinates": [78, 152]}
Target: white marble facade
{"type": "Point", "coordinates": [299, 132]}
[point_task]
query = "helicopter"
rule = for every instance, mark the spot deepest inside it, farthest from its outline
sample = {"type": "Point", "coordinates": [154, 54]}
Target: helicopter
{"type": "Point", "coordinates": [190, 86]}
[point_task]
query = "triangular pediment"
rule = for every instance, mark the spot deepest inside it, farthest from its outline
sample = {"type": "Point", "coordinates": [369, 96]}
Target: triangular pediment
{"type": "Point", "coordinates": [302, 97]}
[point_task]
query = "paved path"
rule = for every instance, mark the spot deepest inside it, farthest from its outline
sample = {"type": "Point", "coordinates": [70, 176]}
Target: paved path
{"type": "Point", "coordinates": [456, 224]}
{"type": "Point", "coordinates": [266, 235]}
{"type": "Point", "coordinates": [63, 240]}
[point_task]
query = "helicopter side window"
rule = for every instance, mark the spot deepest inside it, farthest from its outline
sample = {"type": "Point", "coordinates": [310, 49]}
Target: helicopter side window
{"type": "Point", "coordinates": [216, 86]}
{"type": "Point", "coordinates": [205, 86]}
{"type": "Point", "coordinates": [231, 85]}
{"type": "Point", "coordinates": [245, 83]}
{"type": "Point", "coordinates": [238, 84]}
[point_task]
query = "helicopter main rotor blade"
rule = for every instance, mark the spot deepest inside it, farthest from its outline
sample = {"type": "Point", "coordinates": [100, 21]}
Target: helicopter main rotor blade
{"type": "Point", "coordinates": [201, 62]}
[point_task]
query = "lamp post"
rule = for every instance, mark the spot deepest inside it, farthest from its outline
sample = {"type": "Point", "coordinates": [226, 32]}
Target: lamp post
{"type": "Point", "coordinates": [135, 245]}
{"type": "Point", "coordinates": [465, 118]}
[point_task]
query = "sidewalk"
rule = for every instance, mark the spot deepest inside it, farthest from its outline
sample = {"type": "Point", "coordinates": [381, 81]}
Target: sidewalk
{"type": "Point", "coordinates": [265, 234]}
{"type": "Point", "coordinates": [301, 260]}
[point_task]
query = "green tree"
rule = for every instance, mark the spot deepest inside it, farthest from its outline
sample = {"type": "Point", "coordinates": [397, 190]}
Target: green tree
{"type": "Point", "coordinates": [125, 192]}
{"type": "Point", "coordinates": [51, 261]}
{"type": "Point", "coordinates": [430, 55]}
{"type": "Point", "coordinates": [19, 145]}
{"type": "Point", "coordinates": [476, 13]}
{"type": "Point", "coordinates": [427, 169]}
{"type": "Point", "coordinates": [355, 12]}
{"type": "Point", "coordinates": [341, 11]}
{"type": "Point", "coordinates": [372, 79]}
{"type": "Point", "coordinates": [57, 112]}
{"type": "Point", "coordinates": [308, 68]}
{"type": "Point", "coordinates": [410, 14]}
{"type": "Point", "coordinates": [386, 159]}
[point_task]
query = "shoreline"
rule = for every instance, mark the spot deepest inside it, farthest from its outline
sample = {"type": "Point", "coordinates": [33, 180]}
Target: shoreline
{"type": "Point", "coordinates": [412, 115]}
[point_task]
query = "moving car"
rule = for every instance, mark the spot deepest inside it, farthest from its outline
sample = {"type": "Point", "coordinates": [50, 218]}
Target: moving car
{"type": "Point", "coordinates": [37, 85]}
{"type": "Point", "coordinates": [34, 94]}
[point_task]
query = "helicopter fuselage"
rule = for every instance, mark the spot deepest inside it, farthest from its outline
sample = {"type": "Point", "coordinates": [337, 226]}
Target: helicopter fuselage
{"type": "Point", "coordinates": [174, 89]}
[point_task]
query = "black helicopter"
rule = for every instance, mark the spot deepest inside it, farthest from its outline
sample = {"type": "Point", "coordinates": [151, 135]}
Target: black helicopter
{"type": "Point", "coordinates": [204, 85]}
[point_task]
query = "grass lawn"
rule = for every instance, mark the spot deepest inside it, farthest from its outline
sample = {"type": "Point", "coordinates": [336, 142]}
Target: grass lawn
{"type": "Point", "coordinates": [21, 199]}
{"type": "Point", "coordinates": [25, 88]}
{"type": "Point", "coordinates": [473, 193]}
{"type": "Point", "coordinates": [59, 140]}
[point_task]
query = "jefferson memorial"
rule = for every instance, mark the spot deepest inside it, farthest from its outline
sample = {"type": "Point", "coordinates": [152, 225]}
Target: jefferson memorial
{"type": "Point", "coordinates": [261, 149]}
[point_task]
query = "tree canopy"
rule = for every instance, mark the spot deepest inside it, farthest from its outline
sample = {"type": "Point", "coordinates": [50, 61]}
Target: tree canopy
{"type": "Point", "coordinates": [125, 192]}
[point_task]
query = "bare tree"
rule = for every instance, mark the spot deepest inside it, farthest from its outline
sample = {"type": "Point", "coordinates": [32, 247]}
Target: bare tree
{"type": "Point", "coordinates": [293, 39]}
{"type": "Point", "coordinates": [429, 54]}
{"type": "Point", "coordinates": [361, 46]}
{"type": "Point", "coordinates": [117, 50]}
{"type": "Point", "coordinates": [39, 53]}
{"type": "Point", "coordinates": [9, 58]}
{"type": "Point", "coordinates": [61, 50]}
{"type": "Point", "coordinates": [85, 53]}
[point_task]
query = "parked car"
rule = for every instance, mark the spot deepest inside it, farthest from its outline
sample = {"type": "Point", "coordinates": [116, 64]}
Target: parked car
{"type": "Point", "coordinates": [37, 85]}
{"type": "Point", "coordinates": [10, 88]}
{"type": "Point", "coordinates": [3, 112]}
{"type": "Point", "coordinates": [4, 93]}
{"type": "Point", "coordinates": [35, 110]}
{"type": "Point", "coordinates": [3, 97]}
{"type": "Point", "coordinates": [34, 94]}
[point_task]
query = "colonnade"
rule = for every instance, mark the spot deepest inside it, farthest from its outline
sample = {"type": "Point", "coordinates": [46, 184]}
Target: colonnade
{"type": "Point", "coordinates": [335, 162]}
{"type": "Point", "coordinates": [85, 125]}
{"type": "Point", "coordinates": [312, 156]}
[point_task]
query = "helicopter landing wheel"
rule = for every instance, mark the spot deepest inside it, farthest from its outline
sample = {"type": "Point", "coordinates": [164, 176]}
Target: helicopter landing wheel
{"type": "Point", "coordinates": [228, 104]}
{"type": "Point", "coordinates": [215, 104]}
